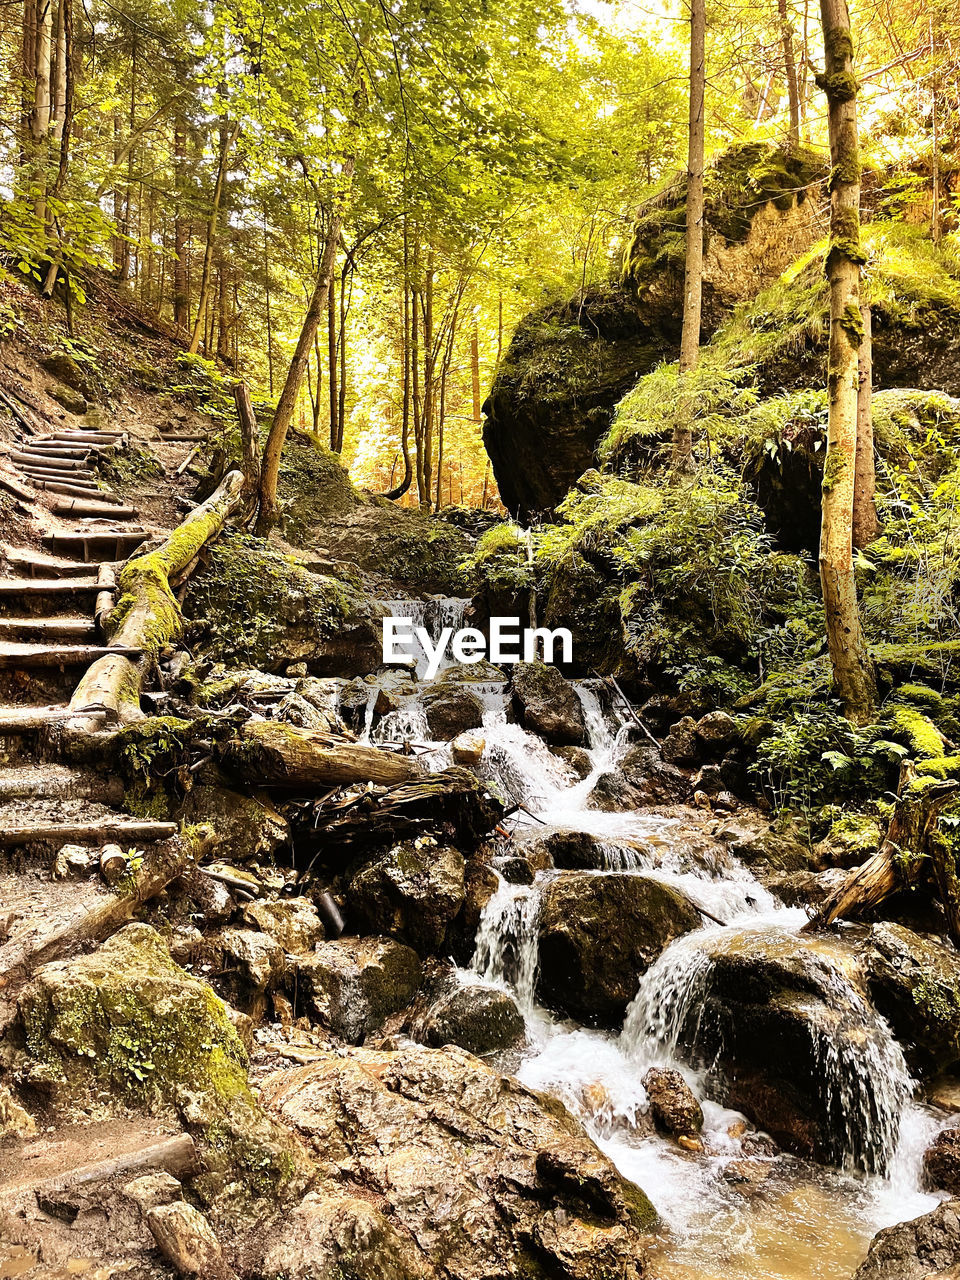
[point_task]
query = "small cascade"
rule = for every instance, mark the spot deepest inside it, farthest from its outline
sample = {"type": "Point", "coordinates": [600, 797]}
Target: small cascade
{"type": "Point", "coordinates": [506, 950]}
{"type": "Point", "coordinates": [670, 989]}
{"type": "Point", "coordinates": [433, 615]}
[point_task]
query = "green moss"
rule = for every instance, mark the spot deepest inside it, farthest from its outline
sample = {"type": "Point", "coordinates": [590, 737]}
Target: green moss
{"type": "Point", "coordinates": [940, 768]}
{"type": "Point", "coordinates": [851, 321]}
{"type": "Point", "coordinates": [839, 43]}
{"type": "Point", "coordinates": [839, 86]}
{"type": "Point", "coordinates": [834, 468]}
{"type": "Point", "coordinates": [922, 735]}
{"type": "Point", "coordinates": [857, 832]}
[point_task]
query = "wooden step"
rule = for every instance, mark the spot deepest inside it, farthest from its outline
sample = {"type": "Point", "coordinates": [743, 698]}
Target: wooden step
{"type": "Point", "coordinates": [58, 655]}
{"type": "Point", "coordinates": [48, 587]}
{"type": "Point", "coordinates": [16, 720]}
{"type": "Point", "coordinates": [57, 450]}
{"type": "Point", "coordinates": [92, 544]}
{"type": "Point", "coordinates": [68, 629]}
{"type": "Point", "coordinates": [82, 489]}
{"type": "Point", "coordinates": [48, 461]}
{"type": "Point", "coordinates": [58, 782]}
{"type": "Point", "coordinates": [32, 563]}
{"type": "Point", "coordinates": [83, 437]}
{"type": "Point", "coordinates": [78, 475]}
{"type": "Point", "coordinates": [85, 507]}
{"type": "Point", "coordinates": [169, 438]}
{"type": "Point", "coordinates": [102, 831]}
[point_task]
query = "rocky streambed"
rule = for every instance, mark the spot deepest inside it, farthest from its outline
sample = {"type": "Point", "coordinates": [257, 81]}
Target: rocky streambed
{"type": "Point", "coordinates": [567, 1025]}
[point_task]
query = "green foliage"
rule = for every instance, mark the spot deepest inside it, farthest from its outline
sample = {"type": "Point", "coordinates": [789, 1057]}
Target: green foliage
{"type": "Point", "coordinates": [499, 561]}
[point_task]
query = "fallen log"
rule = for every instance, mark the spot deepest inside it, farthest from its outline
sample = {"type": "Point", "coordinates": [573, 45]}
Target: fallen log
{"type": "Point", "coordinates": [265, 751]}
{"type": "Point", "coordinates": [62, 1195]}
{"type": "Point", "coordinates": [911, 850]}
{"type": "Point", "coordinates": [13, 485]}
{"type": "Point", "coordinates": [146, 615]}
{"type": "Point", "coordinates": [104, 831]}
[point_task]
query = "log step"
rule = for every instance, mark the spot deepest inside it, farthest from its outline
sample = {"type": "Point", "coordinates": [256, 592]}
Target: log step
{"type": "Point", "coordinates": [13, 484]}
{"type": "Point", "coordinates": [48, 586]}
{"type": "Point", "coordinates": [28, 719]}
{"type": "Point", "coordinates": [58, 782]}
{"type": "Point", "coordinates": [32, 563]}
{"type": "Point", "coordinates": [82, 437]}
{"type": "Point", "coordinates": [168, 438]}
{"type": "Point", "coordinates": [49, 461]}
{"type": "Point", "coordinates": [82, 489]}
{"type": "Point", "coordinates": [66, 451]}
{"type": "Point", "coordinates": [90, 545]}
{"type": "Point", "coordinates": [84, 507]}
{"type": "Point", "coordinates": [82, 475]}
{"type": "Point", "coordinates": [69, 629]}
{"type": "Point", "coordinates": [58, 655]}
{"type": "Point", "coordinates": [103, 831]}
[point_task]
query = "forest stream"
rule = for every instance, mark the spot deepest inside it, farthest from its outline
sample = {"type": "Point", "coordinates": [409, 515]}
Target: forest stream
{"type": "Point", "coordinates": [811, 1222]}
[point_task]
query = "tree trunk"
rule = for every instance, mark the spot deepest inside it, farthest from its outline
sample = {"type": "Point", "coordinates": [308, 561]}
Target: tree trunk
{"type": "Point", "coordinates": [147, 615]}
{"type": "Point", "coordinates": [693, 267]}
{"type": "Point", "coordinates": [852, 669]}
{"type": "Point", "coordinates": [475, 371]}
{"type": "Point", "coordinates": [269, 508]}
{"type": "Point", "coordinates": [342, 351]}
{"type": "Point", "coordinates": [866, 525]}
{"type": "Point", "coordinates": [226, 143]}
{"type": "Point", "coordinates": [181, 292]}
{"type": "Point", "coordinates": [333, 397]}
{"type": "Point", "coordinates": [790, 69]}
{"type": "Point", "coordinates": [405, 482]}
{"type": "Point", "coordinates": [250, 443]}
{"type": "Point", "coordinates": [429, 363]}
{"type": "Point", "coordinates": [267, 752]}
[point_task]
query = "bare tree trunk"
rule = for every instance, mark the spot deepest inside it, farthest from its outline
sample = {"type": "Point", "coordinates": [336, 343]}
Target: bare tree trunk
{"type": "Point", "coordinates": [852, 669]}
{"type": "Point", "coordinates": [40, 114]}
{"type": "Point", "coordinates": [405, 482]}
{"type": "Point", "coordinates": [266, 286]}
{"type": "Point", "coordinates": [475, 370]}
{"type": "Point", "coordinates": [790, 69]}
{"type": "Point", "coordinates": [429, 397]}
{"type": "Point", "coordinates": [342, 351]}
{"type": "Point", "coordinates": [693, 267]}
{"type": "Point", "coordinates": [273, 450]}
{"type": "Point", "coordinates": [250, 443]}
{"type": "Point", "coordinates": [866, 525]}
{"type": "Point", "coordinates": [226, 143]}
{"type": "Point", "coordinates": [333, 397]}
{"type": "Point", "coordinates": [181, 291]}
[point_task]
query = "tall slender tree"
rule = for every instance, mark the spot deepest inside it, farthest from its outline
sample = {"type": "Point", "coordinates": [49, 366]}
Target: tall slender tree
{"type": "Point", "coordinates": [852, 669]}
{"type": "Point", "coordinates": [693, 266]}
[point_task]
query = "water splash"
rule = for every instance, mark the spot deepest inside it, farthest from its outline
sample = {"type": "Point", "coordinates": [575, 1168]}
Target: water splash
{"type": "Point", "coordinates": [507, 951]}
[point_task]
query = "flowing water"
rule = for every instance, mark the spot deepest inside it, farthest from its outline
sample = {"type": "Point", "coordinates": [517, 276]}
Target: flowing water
{"type": "Point", "coordinates": [806, 1222]}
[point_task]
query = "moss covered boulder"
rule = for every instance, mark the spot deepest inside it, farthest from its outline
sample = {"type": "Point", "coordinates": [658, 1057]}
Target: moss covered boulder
{"type": "Point", "coordinates": [548, 704]}
{"type": "Point", "coordinates": [128, 1027]}
{"type": "Point", "coordinates": [248, 827]}
{"type": "Point", "coordinates": [599, 934]}
{"type": "Point", "coordinates": [264, 609]}
{"type": "Point", "coordinates": [411, 893]}
{"type": "Point", "coordinates": [352, 985]}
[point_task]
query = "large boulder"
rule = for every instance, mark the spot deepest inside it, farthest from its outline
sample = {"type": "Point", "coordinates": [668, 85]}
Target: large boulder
{"type": "Point", "coordinates": [569, 364]}
{"type": "Point", "coordinates": [485, 1177]}
{"type": "Point", "coordinates": [266, 610]}
{"type": "Point", "coordinates": [411, 893]}
{"type": "Point", "coordinates": [599, 934]}
{"type": "Point", "coordinates": [921, 1249]}
{"type": "Point", "coordinates": [352, 985]}
{"type": "Point", "coordinates": [915, 984]}
{"type": "Point", "coordinates": [786, 1032]}
{"type": "Point", "coordinates": [941, 1162]}
{"type": "Point", "coordinates": [548, 704]}
{"type": "Point", "coordinates": [126, 1025]}
{"type": "Point", "coordinates": [451, 709]}
{"type": "Point", "coordinates": [476, 1017]}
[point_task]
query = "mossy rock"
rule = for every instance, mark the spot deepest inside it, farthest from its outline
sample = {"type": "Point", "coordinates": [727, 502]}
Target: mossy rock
{"type": "Point", "coordinates": [128, 1024]}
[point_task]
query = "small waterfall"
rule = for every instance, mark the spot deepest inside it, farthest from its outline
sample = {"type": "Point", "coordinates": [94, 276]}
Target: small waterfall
{"type": "Point", "coordinates": [433, 616]}
{"type": "Point", "coordinates": [673, 985]}
{"type": "Point", "coordinates": [506, 952]}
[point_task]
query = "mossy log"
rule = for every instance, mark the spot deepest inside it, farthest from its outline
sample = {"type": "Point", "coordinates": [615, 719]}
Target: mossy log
{"type": "Point", "coordinates": [266, 752]}
{"type": "Point", "coordinates": [146, 615]}
{"type": "Point", "coordinates": [911, 850]}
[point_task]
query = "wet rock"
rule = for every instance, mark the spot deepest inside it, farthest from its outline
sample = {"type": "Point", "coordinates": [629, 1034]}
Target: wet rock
{"type": "Point", "coordinates": [779, 850]}
{"type": "Point", "coordinates": [443, 1141]}
{"type": "Point", "coordinates": [573, 851]}
{"type": "Point", "coordinates": [708, 780]}
{"type": "Point", "coordinates": [548, 704]}
{"type": "Point", "coordinates": [748, 1176]}
{"type": "Point", "coordinates": [516, 870]}
{"type": "Point", "coordinates": [804, 888]}
{"type": "Point", "coordinates": [249, 828]}
{"type": "Point", "coordinates": [941, 1162]}
{"type": "Point", "coordinates": [451, 709]}
{"type": "Point", "coordinates": [352, 985]}
{"type": "Point", "coordinates": [294, 923]}
{"type": "Point", "coordinates": [774, 1010]}
{"type": "Point", "coordinates": [258, 957]}
{"type": "Point", "coordinates": [468, 748]}
{"type": "Point", "coordinates": [200, 896]}
{"type": "Point", "coordinates": [187, 1240]}
{"type": "Point", "coordinates": [915, 984]}
{"type": "Point", "coordinates": [735, 772]}
{"type": "Point", "coordinates": [481, 672]}
{"type": "Point", "coordinates": [323, 696]}
{"type": "Point", "coordinates": [330, 1235]}
{"type": "Point", "coordinates": [412, 893]}
{"type": "Point", "coordinates": [915, 1250]}
{"type": "Point", "coordinates": [599, 935]}
{"type": "Point", "coordinates": [480, 884]}
{"type": "Point", "coordinates": [578, 758]}
{"type": "Point", "coordinates": [673, 1105]}
{"type": "Point", "coordinates": [294, 709]}
{"type": "Point", "coordinates": [479, 1019]}
{"type": "Point", "coordinates": [127, 1025]}
{"type": "Point", "coordinates": [681, 745]}
{"type": "Point", "coordinates": [655, 779]}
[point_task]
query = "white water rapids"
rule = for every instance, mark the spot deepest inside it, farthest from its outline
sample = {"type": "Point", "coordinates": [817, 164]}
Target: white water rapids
{"type": "Point", "coordinates": [807, 1222]}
